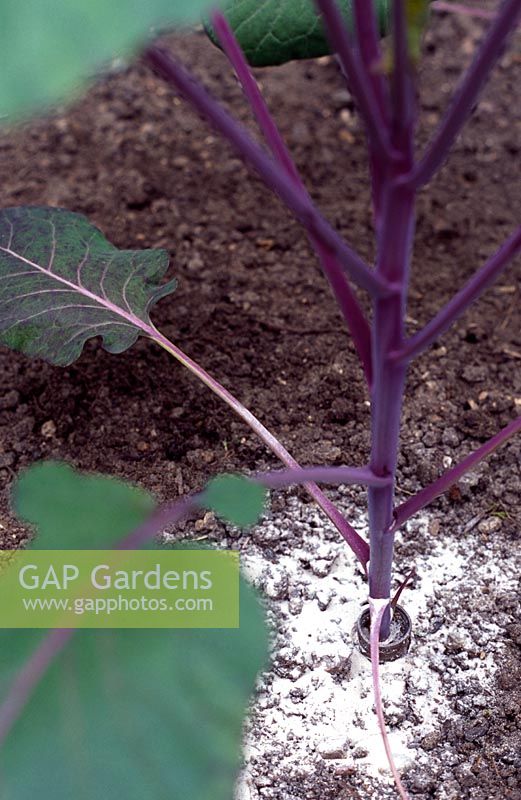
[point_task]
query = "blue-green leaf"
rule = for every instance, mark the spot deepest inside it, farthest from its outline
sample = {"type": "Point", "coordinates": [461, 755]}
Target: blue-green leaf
{"type": "Point", "coordinates": [275, 31]}
{"type": "Point", "coordinates": [62, 282]}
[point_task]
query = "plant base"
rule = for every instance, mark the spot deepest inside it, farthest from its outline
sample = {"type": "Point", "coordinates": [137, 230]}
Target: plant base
{"type": "Point", "coordinates": [397, 643]}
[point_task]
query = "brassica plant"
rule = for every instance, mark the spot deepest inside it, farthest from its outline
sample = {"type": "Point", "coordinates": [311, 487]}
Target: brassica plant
{"type": "Point", "coordinates": [63, 283]}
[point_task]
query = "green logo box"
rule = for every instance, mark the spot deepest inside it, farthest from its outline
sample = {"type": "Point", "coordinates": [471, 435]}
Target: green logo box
{"type": "Point", "coordinates": [119, 589]}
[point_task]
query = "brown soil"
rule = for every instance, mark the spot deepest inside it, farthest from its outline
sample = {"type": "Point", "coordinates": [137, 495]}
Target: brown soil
{"type": "Point", "coordinates": [253, 308]}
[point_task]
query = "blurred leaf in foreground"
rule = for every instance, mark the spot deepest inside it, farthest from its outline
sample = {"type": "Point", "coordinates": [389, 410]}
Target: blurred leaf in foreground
{"type": "Point", "coordinates": [139, 714]}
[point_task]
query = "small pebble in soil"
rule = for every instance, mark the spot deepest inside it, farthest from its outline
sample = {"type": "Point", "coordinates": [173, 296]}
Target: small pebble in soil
{"type": "Point", "coordinates": [489, 525]}
{"type": "Point", "coordinates": [48, 429]}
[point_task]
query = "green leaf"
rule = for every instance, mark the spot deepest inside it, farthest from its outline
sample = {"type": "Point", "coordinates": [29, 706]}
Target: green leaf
{"type": "Point", "coordinates": [236, 499]}
{"type": "Point", "coordinates": [134, 714]}
{"type": "Point", "coordinates": [62, 282]}
{"type": "Point", "coordinates": [140, 715]}
{"type": "Point", "coordinates": [275, 31]}
{"type": "Point", "coordinates": [49, 47]}
{"type": "Point", "coordinates": [73, 510]}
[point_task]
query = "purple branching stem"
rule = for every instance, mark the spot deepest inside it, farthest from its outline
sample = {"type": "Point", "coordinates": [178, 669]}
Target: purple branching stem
{"type": "Point", "coordinates": [393, 263]}
{"type": "Point", "coordinates": [370, 52]}
{"type": "Point", "coordinates": [402, 109]}
{"type": "Point", "coordinates": [276, 179]}
{"type": "Point", "coordinates": [454, 309]}
{"type": "Point", "coordinates": [357, 77]}
{"type": "Point", "coordinates": [358, 545]}
{"type": "Point", "coordinates": [387, 394]}
{"type": "Point", "coordinates": [465, 97]}
{"type": "Point", "coordinates": [406, 510]}
{"type": "Point", "coordinates": [354, 316]}
{"type": "Point", "coordinates": [370, 55]}
{"type": "Point", "coordinates": [345, 297]}
{"type": "Point", "coordinates": [379, 609]}
{"type": "Point", "coordinates": [251, 89]}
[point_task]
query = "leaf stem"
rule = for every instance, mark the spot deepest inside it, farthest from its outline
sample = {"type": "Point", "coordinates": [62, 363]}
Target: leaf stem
{"type": "Point", "coordinates": [402, 105]}
{"type": "Point", "coordinates": [370, 52]}
{"type": "Point", "coordinates": [358, 545]}
{"type": "Point", "coordinates": [280, 479]}
{"type": "Point", "coordinates": [275, 178]}
{"type": "Point", "coordinates": [406, 510]}
{"type": "Point", "coordinates": [457, 306]}
{"type": "Point", "coordinates": [465, 97]}
{"type": "Point", "coordinates": [357, 77]}
{"type": "Point", "coordinates": [371, 56]}
{"type": "Point", "coordinates": [345, 297]}
{"type": "Point", "coordinates": [266, 122]}
{"type": "Point", "coordinates": [378, 608]}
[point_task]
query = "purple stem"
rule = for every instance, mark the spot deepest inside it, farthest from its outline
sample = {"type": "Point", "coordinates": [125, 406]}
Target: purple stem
{"type": "Point", "coordinates": [357, 77]}
{"type": "Point", "coordinates": [406, 510]}
{"type": "Point", "coordinates": [346, 299]}
{"type": "Point", "coordinates": [352, 538]}
{"type": "Point", "coordinates": [370, 52]}
{"type": "Point", "coordinates": [172, 513]}
{"type": "Point", "coordinates": [463, 101]}
{"type": "Point", "coordinates": [280, 479]}
{"type": "Point", "coordinates": [400, 80]}
{"type": "Point", "coordinates": [276, 179]}
{"type": "Point", "coordinates": [266, 122]}
{"type": "Point", "coordinates": [393, 263]}
{"type": "Point", "coordinates": [379, 610]}
{"type": "Point", "coordinates": [358, 545]}
{"type": "Point", "coordinates": [370, 55]}
{"type": "Point", "coordinates": [388, 386]}
{"type": "Point", "coordinates": [454, 309]}
{"type": "Point", "coordinates": [402, 586]}
{"type": "Point", "coordinates": [349, 306]}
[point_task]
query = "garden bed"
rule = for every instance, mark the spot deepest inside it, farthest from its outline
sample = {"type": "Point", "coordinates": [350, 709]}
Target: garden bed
{"type": "Point", "coordinates": [253, 308]}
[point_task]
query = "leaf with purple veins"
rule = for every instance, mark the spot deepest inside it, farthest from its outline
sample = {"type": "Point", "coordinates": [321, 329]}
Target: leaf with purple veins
{"type": "Point", "coordinates": [62, 283]}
